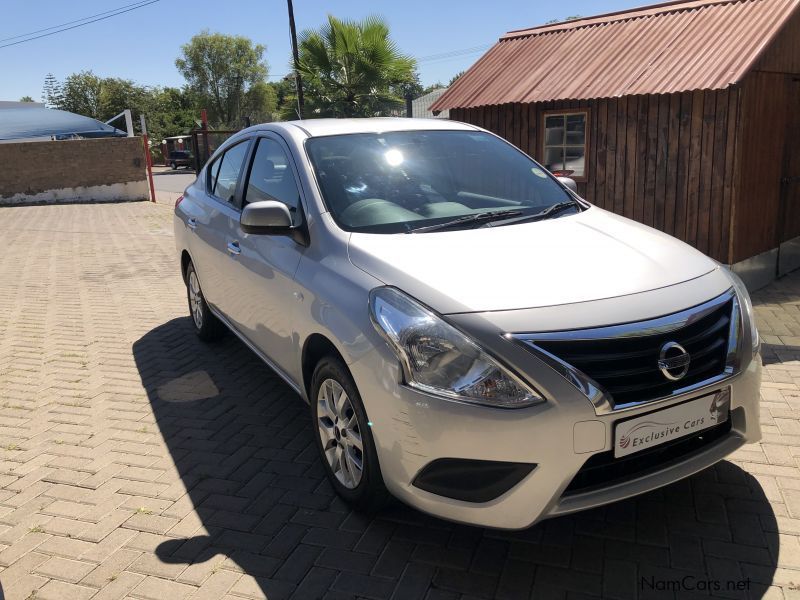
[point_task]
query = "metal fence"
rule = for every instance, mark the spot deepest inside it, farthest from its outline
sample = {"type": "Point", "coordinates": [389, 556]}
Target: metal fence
{"type": "Point", "coordinates": [205, 142]}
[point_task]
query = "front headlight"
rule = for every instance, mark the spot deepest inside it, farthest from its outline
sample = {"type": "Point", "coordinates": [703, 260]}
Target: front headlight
{"type": "Point", "coordinates": [439, 359]}
{"type": "Point", "coordinates": [746, 306]}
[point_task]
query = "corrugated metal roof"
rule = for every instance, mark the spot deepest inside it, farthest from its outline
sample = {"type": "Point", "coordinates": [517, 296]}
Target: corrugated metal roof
{"type": "Point", "coordinates": [660, 49]}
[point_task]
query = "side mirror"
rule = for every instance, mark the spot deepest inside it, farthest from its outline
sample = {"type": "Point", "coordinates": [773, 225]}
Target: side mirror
{"type": "Point", "coordinates": [266, 217]}
{"type": "Point", "coordinates": [569, 182]}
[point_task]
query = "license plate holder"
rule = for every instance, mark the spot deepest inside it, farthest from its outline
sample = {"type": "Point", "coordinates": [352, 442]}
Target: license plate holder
{"type": "Point", "coordinates": [662, 426]}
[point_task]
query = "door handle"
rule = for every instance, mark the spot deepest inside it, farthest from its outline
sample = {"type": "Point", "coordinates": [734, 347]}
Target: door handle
{"type": "Point", "coordinates": [192, 223]}
{"type": "Point", "coordinates": [234, 249]}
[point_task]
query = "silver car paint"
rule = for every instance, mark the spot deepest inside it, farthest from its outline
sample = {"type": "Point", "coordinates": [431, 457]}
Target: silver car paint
{"type": "Point", "coordinates": [549, 288]}
{"type": "Point", "coordinates": [588, 256]}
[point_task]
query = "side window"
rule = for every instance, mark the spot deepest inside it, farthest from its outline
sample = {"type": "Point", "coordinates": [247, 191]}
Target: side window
{"type": "Point", "coordinates": [225, 172]}
{"type": "Point", "coordinates": [565, 142]}
{"type": "Point", "coordinates": [271, 177]}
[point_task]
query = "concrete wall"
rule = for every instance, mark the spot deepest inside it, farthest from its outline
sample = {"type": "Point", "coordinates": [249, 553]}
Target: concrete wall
{"type": "Point", "coordinates": [73, 170]}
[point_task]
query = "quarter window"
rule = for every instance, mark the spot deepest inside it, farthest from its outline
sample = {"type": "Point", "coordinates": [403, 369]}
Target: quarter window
{"type": "Point", "coordinates": [272, 177]}
{"type": "Point", "coordinates": [565, 143]}
{"type": "Point", "coordinates": [225, 172]}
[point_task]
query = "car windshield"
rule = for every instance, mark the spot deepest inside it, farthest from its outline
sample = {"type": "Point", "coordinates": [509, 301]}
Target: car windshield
{"type": "Point", "coordinates": [406, 180]}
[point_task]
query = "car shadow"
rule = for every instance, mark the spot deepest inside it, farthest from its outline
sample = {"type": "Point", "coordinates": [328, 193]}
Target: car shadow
{"type": "Point", "coordinates": [241, 441]}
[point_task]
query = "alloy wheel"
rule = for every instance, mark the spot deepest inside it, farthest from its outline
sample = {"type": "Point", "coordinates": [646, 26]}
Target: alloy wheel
{"type": "Point", "coordinates": [195, 300]}
{"type": "Point", "coordinates": [340, 433]}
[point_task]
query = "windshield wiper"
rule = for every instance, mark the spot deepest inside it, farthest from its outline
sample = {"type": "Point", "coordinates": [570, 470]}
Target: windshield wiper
{"type": "Point", "coordinates": [546, 213]}
{"type": "Point", "coordinates": [492, 215]}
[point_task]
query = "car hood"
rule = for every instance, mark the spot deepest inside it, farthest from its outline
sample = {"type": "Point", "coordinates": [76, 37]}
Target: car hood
{"type": "Point", "coordinates": [577, 258]}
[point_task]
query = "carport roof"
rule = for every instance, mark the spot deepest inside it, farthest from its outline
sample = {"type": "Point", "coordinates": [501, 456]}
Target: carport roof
{"type": "Point", "coordinates": [659, 49]}
{"type": "Point", "coordinates": [26, 123]}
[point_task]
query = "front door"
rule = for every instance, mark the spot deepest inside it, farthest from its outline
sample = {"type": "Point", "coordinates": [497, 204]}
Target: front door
{"type": "Point", "coordinates": [266, 291]}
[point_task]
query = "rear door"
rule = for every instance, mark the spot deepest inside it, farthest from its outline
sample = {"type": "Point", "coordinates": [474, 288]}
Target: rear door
{"type": "Point", "coordinates": [216, 226]}
{"type": "Point", "coordinates": [266, 291]}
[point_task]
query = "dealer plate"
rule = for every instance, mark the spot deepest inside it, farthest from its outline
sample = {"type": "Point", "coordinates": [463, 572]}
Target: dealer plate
{"type": "Point", "coordinates": [671, 423]}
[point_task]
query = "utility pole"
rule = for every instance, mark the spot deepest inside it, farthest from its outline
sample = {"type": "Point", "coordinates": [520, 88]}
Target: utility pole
{"type": "Point", "coordinates": [298, 81]}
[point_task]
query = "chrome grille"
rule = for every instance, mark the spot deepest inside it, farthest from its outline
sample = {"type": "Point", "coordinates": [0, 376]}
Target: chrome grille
{"type": "Point", "coordinates": [623, 360]}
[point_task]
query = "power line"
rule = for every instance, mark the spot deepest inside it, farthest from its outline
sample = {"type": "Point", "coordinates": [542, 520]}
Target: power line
{"type": "Point", "coordinates": [430, 58]}
{"type": "Point", "coordinates": [24, 35]}
{"type": "Point", "coordinates": [80, 23]}
{"type": "Point", "coordinates": [450, 53]}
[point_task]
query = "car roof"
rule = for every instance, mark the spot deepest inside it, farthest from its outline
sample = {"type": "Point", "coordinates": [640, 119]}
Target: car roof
{"type": "Point", "coordinates": [321, 127]}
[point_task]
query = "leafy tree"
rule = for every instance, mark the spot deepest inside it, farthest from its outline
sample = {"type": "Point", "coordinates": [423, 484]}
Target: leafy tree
{"type": "Point", "coordinates": [221, 69]}
{"type": "Point", "coordinates": [260, 103]}
{"type": "Point", "coordinates": [285, 96]}
{"type": "Point", "coordinates": [564, 20]}
{"type": "Point", "coordinates": [26, 99]}
{"type": "Point", "coordinates": [352, 69]}
{"type": "Point", "coordinates": [51, 92]}
{"type": "Point", "coordinates": [455, 77]}
{"type": "Point", "coordinates": [81, 94]}
{"type": "Point", "coordinates": [168, 111]}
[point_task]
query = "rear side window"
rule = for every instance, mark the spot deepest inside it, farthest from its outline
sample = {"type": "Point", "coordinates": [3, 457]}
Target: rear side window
{"type": "Point", "coordinates": [271, 176]}
{"type": "Point", "coordinates": [224, 173]}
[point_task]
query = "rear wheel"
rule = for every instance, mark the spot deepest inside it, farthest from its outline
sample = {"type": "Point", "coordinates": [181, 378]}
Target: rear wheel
{"type": "Point", "coordinates": [173, 165]}
{"type": "Point", "coordinates": [344, 437]}
{"type": "Point", "coordinates": [207, 326]}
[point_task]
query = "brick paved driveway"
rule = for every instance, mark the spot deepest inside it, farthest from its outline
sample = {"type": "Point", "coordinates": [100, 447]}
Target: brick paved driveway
{"type": "Point", "coordinates": [136, 461]}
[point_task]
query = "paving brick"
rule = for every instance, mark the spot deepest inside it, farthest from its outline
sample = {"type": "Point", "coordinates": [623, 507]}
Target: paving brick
{"type": "Point", "coordinates": [110, 568]}
{"type": "Point", "coordinates": [119, 586]}
{"type": "Point", "coordinates": [60, 590]}
{"type": "Point", "coordinates": [217, 585]}
{"type": "Point", "coordinates": [347, 561]}
{"type": "Point", "coordinates": [153, 466]}
{"type": "Point", "coordinates": [155, 588]}
{"type": "Point", "coordinates": [64, 569]}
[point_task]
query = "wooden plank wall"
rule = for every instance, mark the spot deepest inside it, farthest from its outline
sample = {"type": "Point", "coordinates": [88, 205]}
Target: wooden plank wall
{"type": "Point", "coordinates": [668, 161]}
{"type": "Point", "coordinates": [764, 105]}
{"type": "Point", "coordinates": [767, 211]}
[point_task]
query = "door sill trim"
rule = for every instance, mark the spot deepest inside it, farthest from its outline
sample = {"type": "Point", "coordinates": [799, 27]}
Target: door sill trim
{"type": "Point", "coordinates": [269, 362]}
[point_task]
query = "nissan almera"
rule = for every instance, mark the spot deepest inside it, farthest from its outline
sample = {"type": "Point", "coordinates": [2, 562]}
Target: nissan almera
{"type": "Point", "coordinates": [472, 337]}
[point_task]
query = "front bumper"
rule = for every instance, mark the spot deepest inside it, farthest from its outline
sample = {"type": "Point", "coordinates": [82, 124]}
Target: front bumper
{"type": "Point", "coordinates": [427, 429]}
{"type": "Point", "coordinates": [412, 430]}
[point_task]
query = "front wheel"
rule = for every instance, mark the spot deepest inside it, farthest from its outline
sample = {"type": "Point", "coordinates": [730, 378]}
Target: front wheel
{"type": "Point", "coordinates": [174, 166]}
{"type": "Point", "coordinates": [207, 326]}
{"type": "Point", "coordinates": [344, 438]}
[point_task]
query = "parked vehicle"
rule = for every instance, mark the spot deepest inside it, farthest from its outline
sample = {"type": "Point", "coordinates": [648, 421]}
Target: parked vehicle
{"type": "Point", "coordinates": [471, 336]}
{"type": "Point", "coordinates": [180, 158]}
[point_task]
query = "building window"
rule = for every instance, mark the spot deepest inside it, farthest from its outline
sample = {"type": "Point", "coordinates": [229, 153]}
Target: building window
{"type": "Point", "coordinates": [565, 142]}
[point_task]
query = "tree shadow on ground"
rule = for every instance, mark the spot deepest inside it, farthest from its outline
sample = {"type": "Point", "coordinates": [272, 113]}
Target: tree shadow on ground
{"type": "Point", "coordinates": [242, 443]}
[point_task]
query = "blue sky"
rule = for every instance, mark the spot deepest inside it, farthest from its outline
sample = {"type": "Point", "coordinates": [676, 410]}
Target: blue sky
{"type": "Point", "coordinates": [142, 45]}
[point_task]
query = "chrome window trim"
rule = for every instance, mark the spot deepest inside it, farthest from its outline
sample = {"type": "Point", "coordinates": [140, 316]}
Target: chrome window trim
{"type": "Point", "coordinates": [594, 392]}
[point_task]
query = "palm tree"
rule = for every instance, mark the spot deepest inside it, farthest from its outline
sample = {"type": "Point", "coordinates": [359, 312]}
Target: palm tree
{"type": "Point", "coordinates": [352, 69]}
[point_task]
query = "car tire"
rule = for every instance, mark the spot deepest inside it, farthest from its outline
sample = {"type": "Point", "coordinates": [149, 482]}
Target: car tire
{"type": "Point", "coordinates": [206, 325]}
{"type": "Point", "coordinates": [174, 166]}
{"type": "Point", "coordinates": [339, 430]}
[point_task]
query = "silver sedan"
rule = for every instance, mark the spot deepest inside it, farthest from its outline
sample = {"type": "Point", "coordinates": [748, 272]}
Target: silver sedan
{"type": "Point", "coordinates": [471, 336]}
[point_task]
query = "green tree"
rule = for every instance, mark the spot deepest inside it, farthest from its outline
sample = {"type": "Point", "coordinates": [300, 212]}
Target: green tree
{"type": "Point", "coordinates": [51, 92]}
{"type": "Point", "coordinates": [564, 20]}
{"type": "Point", "coordinates": [260, 103]}
{"type": "Point", "coordinates": [168, 111]}
{"type": "Point", "coordinates": [81, 95]}
{"type": "Point", "coordinates": [285, 96]}
{"type": "Point", "coordinates": [26, 99]}
{"type": "Point", "coordinates": [221, 69]}
{"type": "Point", "coordinates": [352, 69]}
{"type": "Point", "coordinates": [455, 78]}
